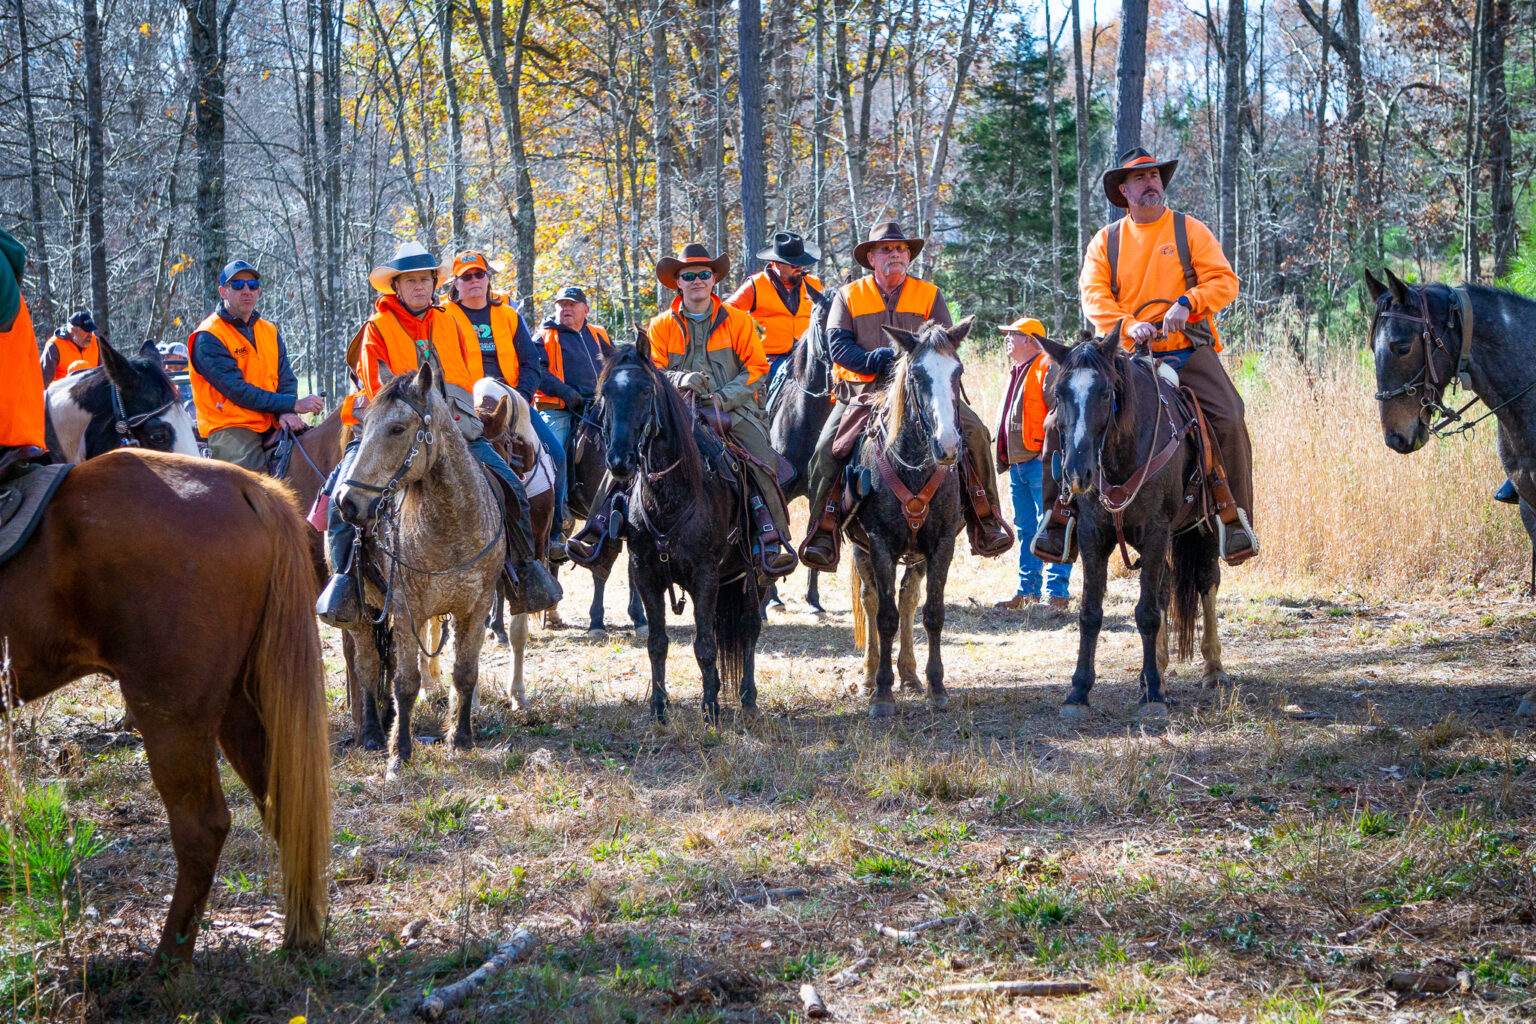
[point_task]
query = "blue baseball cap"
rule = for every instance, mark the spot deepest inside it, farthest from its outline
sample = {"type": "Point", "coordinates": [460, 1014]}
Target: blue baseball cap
{"type": "Point", "coordinates": [234, 267]}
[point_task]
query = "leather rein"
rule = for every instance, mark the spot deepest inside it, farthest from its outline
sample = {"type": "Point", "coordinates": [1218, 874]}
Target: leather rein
{"type": "Point", "coordinates": [914, 506]}
{"type": "Point", "coordinates": [1116, 498]}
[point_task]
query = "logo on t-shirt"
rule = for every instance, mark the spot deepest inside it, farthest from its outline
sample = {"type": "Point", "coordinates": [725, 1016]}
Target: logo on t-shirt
{"type": "Point", "coordinates": [487, 344]}
{"type": "Point", "coordinates": [1166, 250]}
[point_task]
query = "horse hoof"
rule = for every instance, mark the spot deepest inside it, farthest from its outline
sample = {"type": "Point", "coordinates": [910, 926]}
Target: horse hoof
{"type": "Point", "coordinates": [1527, 708]}
{"type": "Point", "coordinates": [501, 638]}
{"type": "Point", "coordinates": [882, 709]}
{"type": "Point", "coordinates": [642, 632]}
{"type": "Point", "coordinates": [392, 771]}
{"type": "Point", "coordinates": [1070, 711]}
{"type": "Point", "coordinates": [818, 609]}
{"type": "Point", "coordinates": [1153, 709]}
{"type": "Point", "coordinates": [1214, 680]}
{"type": "Point", "coordinates": [939, 702]}
{"type": "Point", "coordinates": [373, 743]}
{"type": "Point", "coordinates": [597, 628]}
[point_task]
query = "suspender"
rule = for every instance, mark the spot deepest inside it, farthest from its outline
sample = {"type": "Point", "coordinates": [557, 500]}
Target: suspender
{"type": "Point", "coordinates": [1180, 242]}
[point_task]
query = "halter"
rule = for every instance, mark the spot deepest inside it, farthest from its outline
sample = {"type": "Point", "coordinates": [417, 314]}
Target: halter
{"type": "Point", "coordinates": [1428, 378]}
{"type": "Point", "coordinates": [127, 427]}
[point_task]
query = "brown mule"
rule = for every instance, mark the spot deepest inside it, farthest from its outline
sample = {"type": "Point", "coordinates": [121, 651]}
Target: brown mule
{"type": "Point", "coordinates": [190, 581]}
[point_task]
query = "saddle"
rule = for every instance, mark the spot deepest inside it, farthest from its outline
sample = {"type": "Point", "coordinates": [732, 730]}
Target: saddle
{"type": "Point", "coordinates": [26, 487]}
{"type": "Point", "coordinates": [719, 423]}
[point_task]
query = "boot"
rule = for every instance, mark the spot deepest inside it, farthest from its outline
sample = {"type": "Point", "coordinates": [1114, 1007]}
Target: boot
{"type": "Point", "coordinates": [1056, 538]}
{"type": "Point", "coordinates": [1235, 537]}
{"type": "Point", "coordinates": [820, 548]}
{"type": "Point", "coordinates": [338, 604]}
{"type": "Point", "coordinates": [531, 587]}
{"type": "Point", "coordinates": [1060, 604]}
{"type": "Point", "coordinates": [989, 535]}
{"type": "Point", "coordinates": [1506, 493]}
{"type": "Point", "coordinates": [773, 557]}
{"type": "Point", "coordinates": [1016, 603]}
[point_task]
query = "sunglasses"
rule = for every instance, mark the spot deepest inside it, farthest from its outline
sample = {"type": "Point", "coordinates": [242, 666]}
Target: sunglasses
{"type": "Point", "coordinates": [889, 249]}
{"type": "Point", "coordinates": [242, 284]}
{"type": "Point", "coordinates": [696, 275]}
{"type": "Point", "coordinates": [472, 275]}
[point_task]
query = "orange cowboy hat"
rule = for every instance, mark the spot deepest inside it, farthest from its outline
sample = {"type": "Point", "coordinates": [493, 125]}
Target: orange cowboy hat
{"type": "Point", "coordinates": [885, 231]}
{"type": "Point", "coordinates": [1026, 325]}
{"type": "Point", "coordinates": [691, 255]}
{"type": "Point", "coordinates": [470, 259]}
{"type": "Point", "coordinates": [1136, 159]}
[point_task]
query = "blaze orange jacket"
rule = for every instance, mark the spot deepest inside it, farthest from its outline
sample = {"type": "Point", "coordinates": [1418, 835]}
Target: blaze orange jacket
{"type": "Point", "coordinates": [396, 338]}
{"type": "Point", "coordinates": [1021, 420]}
{"type": "Point", "coordinates": [556, 356]}
{"type": "Point", "coordinates": [864, 299]}
{"type": "Point", "coordinates": [21, 385]}
{"type": "Point", "coordinates": [258, 364]}
{"type": "Point", "coordinates": [734, 357]}
{"type": "Point", "coordinates": [1149, 268]}
{"type": "Point", "coordinates": [69, 354]}
{"type": "Point", "coordinates": [758, 298]}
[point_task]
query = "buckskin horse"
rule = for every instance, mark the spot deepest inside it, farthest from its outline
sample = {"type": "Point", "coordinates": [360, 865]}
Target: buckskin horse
{"type": "Point", "coordinates": [911, 513]}
{"type": "Point", "coordinates": [797, 410]}
{"type": "Point", "coordinates": [437, 540]}
{"type": "Point", "coordinates": [1426, 338]}
{"type": "Point", "coordinates": [218, 649]}
{"type": "Point", "coordinates": [684, 526]}
{"type": "Point", "coordinates": [1128, 456]}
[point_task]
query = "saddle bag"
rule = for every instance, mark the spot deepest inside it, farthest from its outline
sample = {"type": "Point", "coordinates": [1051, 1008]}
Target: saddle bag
{"type": "Point", "coordinates": [851, 429]}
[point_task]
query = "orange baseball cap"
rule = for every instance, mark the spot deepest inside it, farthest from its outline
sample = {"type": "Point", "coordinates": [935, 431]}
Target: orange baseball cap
{"type": "Point", "coordinates": [1025, 325]}
{"type": "Point", "coordinates": [471, 259]}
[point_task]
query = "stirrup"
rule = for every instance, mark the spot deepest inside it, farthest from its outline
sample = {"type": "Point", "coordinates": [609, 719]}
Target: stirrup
{"type": "Point", "coordinates": [1241, 556]}
{"type": "Point", "coordinates": [1068, 553]}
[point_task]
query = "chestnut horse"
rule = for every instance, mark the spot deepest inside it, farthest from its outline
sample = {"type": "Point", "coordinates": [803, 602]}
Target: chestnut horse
{"type": "Point", "coordinates": [190, 581]}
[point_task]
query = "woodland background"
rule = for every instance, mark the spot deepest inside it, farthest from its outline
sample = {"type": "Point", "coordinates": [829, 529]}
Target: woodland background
{"type": "Point", "coordinates": [147, 142]}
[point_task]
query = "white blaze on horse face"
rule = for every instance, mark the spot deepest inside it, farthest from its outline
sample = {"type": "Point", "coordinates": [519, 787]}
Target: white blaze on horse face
{"type": "Point", "coordinates": [1081, 384]}
{"type": "Point", "coordinates": [181, 427]}
{"type": "Point", "coordinates": [942, 370]}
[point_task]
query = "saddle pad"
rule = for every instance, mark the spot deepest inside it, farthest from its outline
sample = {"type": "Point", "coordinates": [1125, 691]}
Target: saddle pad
{"type": "Point", "coordinates": [541, 477]}
{"type": "Point", "coordinates": [22, 500]}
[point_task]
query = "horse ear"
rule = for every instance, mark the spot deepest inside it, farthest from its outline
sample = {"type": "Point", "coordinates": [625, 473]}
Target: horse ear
{"type": "Point", "coordinates": [497, 424]}
{"type": "Point", "coordinates": [149, 350]}
{"type": "Point", "coordinates": [426, 378]}
{"type": "Point", "coordinates": [958, 332]}
{"type": "Point", "coordinates": [1373, 286]}
{"type": "Point", "coordinates": [385, 374]}
{"type": "Point", "coordinates": [1110, 343]}
{"type": "Point", "coordinates": [1055, 349]}
{"type": "Point", "coordinates": [643, 344]}
{"type": "Point", "coordinates": [906, 340]}
{"type": "Point", "coordinates": [1396, 286]}
{"type": "Point", "coordinates": [115, 366]}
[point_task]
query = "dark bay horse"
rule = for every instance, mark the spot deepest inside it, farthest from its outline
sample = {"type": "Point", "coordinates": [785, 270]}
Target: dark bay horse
{"type": "Point", "coordinates": [83, 413]}
{"type": "Point", "coordinates": [190, 582]}
{"type": "Point", "coordinates": [798, 410]}
{"type": "Point", "coordinates": [912, 513]}
{"type": "Point", "coordinates": [588, 464]}
{"type": "Point", "coordinates": [682, 514]}
{"type": "Point", "coordinates": [1118, 425]}
{"type": "Point", "coordinates": [1422, 338]}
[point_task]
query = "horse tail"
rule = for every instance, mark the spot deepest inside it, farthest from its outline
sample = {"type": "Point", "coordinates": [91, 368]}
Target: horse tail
{"type": "Point", "coordinates": [856, 595]}
{"type": "Point", "coordinates": [286, 680]}
{"type": "Point", "coordinates": [1189, 553]}
{"type": "Point", "coordinates": [733, 603]}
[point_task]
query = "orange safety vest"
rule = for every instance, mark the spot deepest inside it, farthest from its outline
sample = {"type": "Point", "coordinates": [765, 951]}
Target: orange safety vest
{"type": "Point", "coordinates": [781, 328]}
{"type": "Point", "coordinates": [21, 385]}
{"type": "Point", "coordinates": [258, 365]}
{"type": "Point", "coordinates": [556, 357]}
{"type": "Point", "coordinates": [386, 340]}
{"type": "Point", "coordinates": [87, 355]}
{"type": "Point", "coordinates": [1032, 420]}
{"type": "Point", "coordinates": [864, 299]}
{"type": "Point", "coordinates": [504, 320]}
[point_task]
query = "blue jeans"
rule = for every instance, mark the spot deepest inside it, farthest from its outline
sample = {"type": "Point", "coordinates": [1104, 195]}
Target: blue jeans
{"type": "Point", "coordinates": [556, 447]}
{"type": "Point", "coordinates": [561, 422]}
{"type": "Point", "coordinates": [1024, 485]}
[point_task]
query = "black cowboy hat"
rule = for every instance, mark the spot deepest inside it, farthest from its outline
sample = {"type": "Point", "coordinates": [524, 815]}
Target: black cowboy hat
{"type": "Point", "coordinates": [1136, 159]}
{"type": "Point", "coordinates": [885, 231]}
{"type": "Point", "coordinates": [692, 254]}
{"type": "Point", "coordinates": [790, 248]}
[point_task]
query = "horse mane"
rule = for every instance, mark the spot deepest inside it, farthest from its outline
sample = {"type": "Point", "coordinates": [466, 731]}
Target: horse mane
{"type": "Point", "coordinates": [931, 337]}
{"type": "Point", "coordinates": [676, 416]}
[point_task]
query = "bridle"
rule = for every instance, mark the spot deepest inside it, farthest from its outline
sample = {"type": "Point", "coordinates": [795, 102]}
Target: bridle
{"type": "Point", "coordinates": [914, 505]}
{"type": "Point", "coordinates": [424, 437]}
{"type": "Point", "coordinates": [1428, 379]}
{"type": "Point", "coordinates": [128, 427]}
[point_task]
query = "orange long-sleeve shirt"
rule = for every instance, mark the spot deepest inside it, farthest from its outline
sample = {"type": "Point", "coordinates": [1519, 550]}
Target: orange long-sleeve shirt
{"type": "Point", "coordinates": [1149, 269]}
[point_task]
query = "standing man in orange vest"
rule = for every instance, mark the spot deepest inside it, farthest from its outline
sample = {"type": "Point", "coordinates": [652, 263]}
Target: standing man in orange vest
{"type": "Point", "coordinates": [1020, 439]}
{"type": "Point", "coordinates": [21, 378]}
{"type": "Point", "coordinates": [890, 297]}
{"type": "Point", "coordinates": [1162, 276]}
{"type": "Point", "coordinates": [242, 383]}
{"type": "Point", "coordinates": [74, 343]}
{"type": "Point", "coordinates": [776, 297]}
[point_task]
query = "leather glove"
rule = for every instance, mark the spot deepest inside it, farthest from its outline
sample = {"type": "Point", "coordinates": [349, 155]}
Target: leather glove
{"type": "Point", "coordinates": [696, 382]}
{"type": "Point", "coordinates": [881, 360]}
{"type": "Point", "coordinates": [575, 403]}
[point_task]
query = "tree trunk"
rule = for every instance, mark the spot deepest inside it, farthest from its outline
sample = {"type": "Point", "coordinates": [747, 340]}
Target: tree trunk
{"type": "Point", "coordinates": [1472, 264]}
{"type": "Point", "coordinates": [1080, 107]}
{"type": "Point", "coordinates": [39, 255]}
{"type": "Point", "coordinates": [718, 241]}
{"type": "Point", "coordinates": [853, 157]}
{"type": "Point", "coordinates": [95, 186]}
{"type": "Point", "coordinates": [508, 81]}
{"type": "Point", "coordinates": [661, 100]}
{"type": "Point", "coordinates": [334, 332]}
{"type": "Point", "coordinates": [1131, 73]}
{"type": "Point", "coordinates": [206, 30]}
{"type": "Point", "coordinates": [782, 56]}
{"type": "Point", "coordinates": [819, 132]}
{"type": "Point", "coordinates": [459, 208]}
{"type": "Point", "coordinates": [1050, 114]}
{"type": "Point", "coordinates": [1496, 122]}
{"type": "Point", "coordinates": [753, 155]}
{"type": "Point", "coordinates": [975, 26]}
{"type": "Point", "coordinates": [1236, 67]}
{"type": "Point", "coordinates": [1346, 43]}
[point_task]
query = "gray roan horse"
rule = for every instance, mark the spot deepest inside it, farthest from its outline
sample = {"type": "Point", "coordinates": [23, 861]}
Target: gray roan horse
{"type": "Point", "coordinates": [437, 540]}
{"type": "Point", "coordinates": [1423, 338]}
{"type": "Point", "coordinates": [911, 512]}
{"type": "Point", "coordinates": [1123, 441]}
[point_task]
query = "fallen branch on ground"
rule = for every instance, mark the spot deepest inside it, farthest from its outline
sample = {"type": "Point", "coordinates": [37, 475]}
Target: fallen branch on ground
{"type": "Point", "coordinates": [850, 974]}
{"type": "Point", "coordinates": [444, 999]}
{"type": "Point", "coordinates": [911, 934]}
{"type": "Point", "coordinates": [942, 869]}
{"type": "Point", "coordinates": [1375, 923]}
{"type": "Point", "coordinates": [1017, 988]}
{"type": "Point", "coordinates": [768, 895]}
{"type": "Point", "coordinates": [814, 1007]}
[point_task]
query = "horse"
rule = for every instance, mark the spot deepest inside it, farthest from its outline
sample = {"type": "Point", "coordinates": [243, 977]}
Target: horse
{"type": "Point", "coordinates": [797, 410]}
{"type": "Point", "coordinates": [1425, 338]}
{"type": "Point", "coordinates": [911, 513]}
{"type": "Point", "coordinates": [123, 402]}
{"type": "Point", "coordinates": [189, 581]}
{"type": "Point", "coordinates": [684, 526]}
{"type": "Point", "coordinates": [436, 542]}
{"type": "Point", "coordinates": [1119, 423]}
{"type": "Point", "coordinates": [588, 463]}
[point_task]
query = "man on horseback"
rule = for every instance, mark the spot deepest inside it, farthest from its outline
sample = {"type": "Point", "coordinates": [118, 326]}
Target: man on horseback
{"type": "Point", "coordinates": [406, 328]}
{"type": "Point", "coordinates": [21, 377]}
{"type": "Point", "coordinates": [776, 297]}
{"type": "Point", "coordinates": [73, 343]}
{"type": "Point", "coordinates": [890, 297]}
{"type": "Point", "coordinates": [242, 383]}
{"type": "Point", "coordinates": [574, 350]}
{"type": "Point", "coordinates": [1155, 259]}
{"type": "Point", "coordinates": [712, 351]}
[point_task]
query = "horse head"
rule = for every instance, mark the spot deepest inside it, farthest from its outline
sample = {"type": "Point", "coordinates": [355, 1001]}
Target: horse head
{"type": "Point", "coordinates": [1413, 365]}
{"type": "Point", "coordinates": [641, 411]}
{"type": "Point", "coordinates": [1090, 404]}
{"type": "Point", "coordinates": [85, 414]}
{"type": "Point", "coordinates": [396, 448]}
{"type": "Point", "coordinates": [925, 386]}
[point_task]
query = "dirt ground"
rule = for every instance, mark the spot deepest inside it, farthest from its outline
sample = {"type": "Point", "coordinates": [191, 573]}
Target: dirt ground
{"type": "Point", "coordinates": [1228, 864]}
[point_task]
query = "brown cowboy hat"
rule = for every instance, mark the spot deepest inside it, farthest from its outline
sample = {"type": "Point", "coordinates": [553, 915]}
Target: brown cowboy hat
{"type": "Point", "coordinates": [692, 254]}
{"type": "Point", "coordinates": [1136, 159]}
{"type": "Point", "coordinates": [885, 231]}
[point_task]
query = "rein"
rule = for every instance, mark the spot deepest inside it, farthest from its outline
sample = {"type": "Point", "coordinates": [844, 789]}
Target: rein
{"type": "Point", "coordinates": [914, 506]}
{"type": "Point", "coordinates": [1116, 498]}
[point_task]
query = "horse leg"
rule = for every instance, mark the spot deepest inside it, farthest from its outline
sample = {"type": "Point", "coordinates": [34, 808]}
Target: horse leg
{"type": "Point", "coordinates": [519, 634]}
{"type": "Point", "coordinates": [748, 687]}
{"type": "Point", "coordinates": [906, 656]}
{"type": "Point", "coordinates": [867, 600]}
{"type": "Point", "coordinates": [813, 592]}
{"type": "Point", "coordinates": [468, 638]}
{"type": "Point", "coordinates": [639, 612]}
{"type": "Point", "coordinates": [362, 660]}
{"type": "Point", "coordinates": [1210, 641]}
{"type": "Point", "coordinates": [595, 622]}
{"type": "Point", "coordinates": [655, 643]}
{"type": "Point", "coordinates": [433, 669]}
{"type": "Point", "coordinates": [1090, 619]}
{"type": "Point", "coordinates": [706, 591]}
{"type": "Point", "coordinates": [498, 622]}
{"type": "Point", "coordinates": [407, 687]}
{"type": "Point", "coordinates": [888, 623]}
{"type": "Point", "coordinates": [1151, 610]}
{"type": "Point", "coordinates": [933, 621]}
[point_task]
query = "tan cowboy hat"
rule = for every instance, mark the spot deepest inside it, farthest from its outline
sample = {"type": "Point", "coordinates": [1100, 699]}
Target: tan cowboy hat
{"type": "Point", "coordinates": [1135, 160]}
{"type": "Point", "coordinates": [410, 256]}
{"type": "Point", "coordinates": [692, 254]}
{"type": "Point", "coordinates": [885, 231]}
